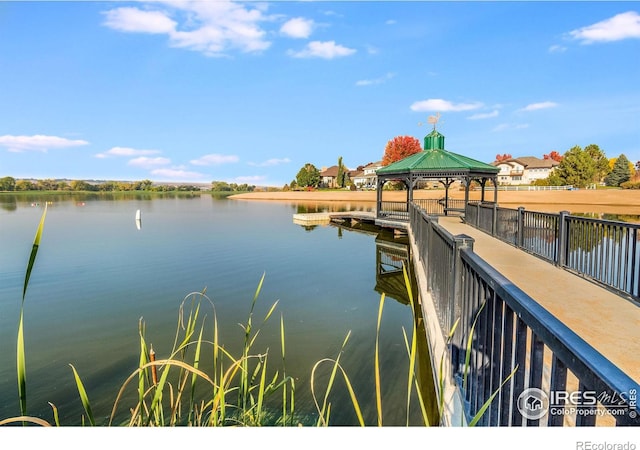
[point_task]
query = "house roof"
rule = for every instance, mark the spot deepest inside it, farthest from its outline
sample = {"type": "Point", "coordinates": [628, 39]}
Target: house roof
{"type": "Point", "coordinates": [330, 172]}
{"type": "Point", "coordinates": [434, 158]}
{"type": "Point", "coordinates": [530, 162]}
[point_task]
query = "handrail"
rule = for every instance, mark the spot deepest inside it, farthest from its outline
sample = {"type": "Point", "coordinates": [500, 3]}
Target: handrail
{"type": "Point", "coordinates": [604, 251]}
{"type": "Point", "coordinates": [508, 329]}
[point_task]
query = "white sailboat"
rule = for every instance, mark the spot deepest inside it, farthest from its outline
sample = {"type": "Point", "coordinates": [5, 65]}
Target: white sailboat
{"type": "Point", "coordinates": [138, 220]}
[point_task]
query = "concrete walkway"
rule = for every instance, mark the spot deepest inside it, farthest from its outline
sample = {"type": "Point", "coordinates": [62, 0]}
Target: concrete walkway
{"type": "Point", "coordinates": [608, 322]}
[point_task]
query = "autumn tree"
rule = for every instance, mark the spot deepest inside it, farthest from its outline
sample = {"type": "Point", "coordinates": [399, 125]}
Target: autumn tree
{"type": "Point", "coordinates": [503, 157]}
{"type": "Point", "coordinates": [553, 155]}
{"type": "Point", "coordinates": [620, 173]}
{"type": "Point", "coordinates": [399, 148]}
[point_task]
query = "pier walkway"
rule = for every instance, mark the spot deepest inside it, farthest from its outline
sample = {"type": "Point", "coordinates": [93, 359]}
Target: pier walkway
{"type": "Point", "coordinates": [607, 321]}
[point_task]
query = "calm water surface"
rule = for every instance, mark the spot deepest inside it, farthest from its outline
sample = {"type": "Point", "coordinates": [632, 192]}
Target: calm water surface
{"type": "Point", "coordinates": [97, 275]}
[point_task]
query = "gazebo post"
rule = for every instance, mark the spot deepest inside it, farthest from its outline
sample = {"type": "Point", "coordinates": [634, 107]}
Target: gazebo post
{"type": "Point", "coordinates": [494, 180]}
{"type": "Point", "coordinates": [467, 182]}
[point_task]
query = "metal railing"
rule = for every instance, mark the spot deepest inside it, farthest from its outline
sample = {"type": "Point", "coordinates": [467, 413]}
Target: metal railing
{"type": "Point", "coordinates": [603, 251]}
{"type": "Point", "coordinates": [432, 206]}
{"type": "Point", "coordinates": [393, 211]}
{"type": "Point", "coordinates": [513, 345]}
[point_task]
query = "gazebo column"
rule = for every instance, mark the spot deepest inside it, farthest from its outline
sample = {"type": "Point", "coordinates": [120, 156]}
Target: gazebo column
{"type": "Point", "coordinates": [494, 180]}
{"type": "Point", "coordinates": [467, 184]}
{"type": "Point", "coordinates": [483, 182]}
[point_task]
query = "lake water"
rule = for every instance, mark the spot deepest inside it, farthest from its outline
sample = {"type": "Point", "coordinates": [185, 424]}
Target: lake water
{"type": "Point", "coordinates": [97, 274]}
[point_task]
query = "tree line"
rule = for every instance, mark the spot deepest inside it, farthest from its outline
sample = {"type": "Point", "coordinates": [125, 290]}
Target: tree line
{"type": "Point", "coordinates": [13, 185]}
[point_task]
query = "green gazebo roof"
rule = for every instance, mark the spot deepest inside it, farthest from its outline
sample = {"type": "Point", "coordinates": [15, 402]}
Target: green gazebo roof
{"type": "Point", "coordinates": [434, 158]}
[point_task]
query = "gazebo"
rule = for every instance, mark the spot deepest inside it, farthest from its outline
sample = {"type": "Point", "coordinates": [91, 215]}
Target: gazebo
{"type": "Point", "coordinates": [433, 163]}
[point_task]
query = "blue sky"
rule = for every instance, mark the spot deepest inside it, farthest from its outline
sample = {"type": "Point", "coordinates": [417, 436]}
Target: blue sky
{"type": "Point", "coordinates": [248, 92]}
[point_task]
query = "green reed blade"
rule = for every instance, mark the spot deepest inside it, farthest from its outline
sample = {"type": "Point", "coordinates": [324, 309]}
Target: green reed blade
{"type": "Point", "coordinates": [56, 419]}
{"type": "Point", "coordinates": [486, 404]}
{"type": "Point", "coordinates": [34, 252]}
{"type": "Point", "coordinates": [377, 363]}
{"type": "Point", "coordinates": [21, 365]}
{"type": "Point", "coordinates": [83, 396]}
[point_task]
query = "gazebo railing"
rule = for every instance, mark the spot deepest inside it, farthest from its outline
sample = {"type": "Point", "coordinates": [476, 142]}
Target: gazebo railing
{"type": "Point", "coordinates": [394, 211]}
{"type": "Point", "coordinates": [431, 206]}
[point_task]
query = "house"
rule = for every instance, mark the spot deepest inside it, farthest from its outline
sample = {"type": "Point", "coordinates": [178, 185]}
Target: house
{"type": "Point", "coordinates": [366, 178]}
{"type": "Point", "coordinates": [329, 177]}
{"type": "Point", "coordinates": [524, 170]}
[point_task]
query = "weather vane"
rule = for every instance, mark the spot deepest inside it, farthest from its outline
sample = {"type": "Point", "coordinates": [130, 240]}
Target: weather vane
{"type": "Point", "coordinates": [432, 120]}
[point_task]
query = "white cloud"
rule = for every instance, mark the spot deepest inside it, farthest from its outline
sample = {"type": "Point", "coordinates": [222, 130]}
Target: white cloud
{"type": "Point", "coordinates": [147, 163]}
{"type": "Point", "coordinates": [489, 115]}
{"type": "Point", "coordinates": [326, 50]}
{"type": "Point", "coordinates": [134, 20]}
{"type": "Point", "coordinates": [212, 28]}
{"type": "Point", "coordinates": [177, 174]}
{"type": "Point", "coordinates": [126, 151]}
{"type": "Point", "coordinates": [509, 126]}
{"type": "Point", "coordinates": [622, 26]}
{"type": "Point", "coordinates": [537, 106]}
{"type": "Point", "coordinates": [391, 22]}
{"type": "Point", "coordinates": [438, 104]}
{"type": "Point", "coordinates": [214, 159]}
{"type": "Point", "coordinates": [298, 28]}
{"type": "Point", "coordinates": [380, 80]}
{"type": "Point", "coordinates": [38, 143]}
{"type": "Point", "coordinates": [557, 49]}
{"type": "Point", "coordinates": [271, 162]}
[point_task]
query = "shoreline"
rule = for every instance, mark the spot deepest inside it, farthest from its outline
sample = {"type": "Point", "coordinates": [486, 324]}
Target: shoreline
{"type": "Point", "coordinates": [612, 201]}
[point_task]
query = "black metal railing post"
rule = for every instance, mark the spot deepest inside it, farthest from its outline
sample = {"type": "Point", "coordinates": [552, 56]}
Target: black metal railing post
{"type": "Point", "coordinates": [520, 228]}
{"type": "Point", "coordinates": [460, 241]}
{"type": "Point", "coordinates": [561, 253]}
{"type": "Point", "coordinates": [494, 219]}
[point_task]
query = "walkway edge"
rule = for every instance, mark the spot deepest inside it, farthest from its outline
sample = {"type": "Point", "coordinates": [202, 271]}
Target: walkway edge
{"type": "Point", "coordinates": [453, 413]}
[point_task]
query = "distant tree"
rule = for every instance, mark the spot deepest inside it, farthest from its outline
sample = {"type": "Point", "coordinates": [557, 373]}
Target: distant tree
{"type": "Point", "coordinates": [553, 155]}
{"type": "Point", "coordinates": [108, 186]}
{"type": "Point", "coordinates": [399, 148]}
{"type": "Point", "coordinates": [308, 176]}
{"type": "Point", "coordinates": [293, 185]}
{"type": "Point", "coordinates": [503, 157]}
{"type": "Point", "coordinates": [576, 169]}
{"type": "Point", "coordinates": [340, 176]}
{"type": "Point", "coordinates": [79, 185]}
{"type": "Point", "coordinates": [7, 184]}
{"type": "Point", "coordinates": [25, 185]}
{"type": "Point", "coordinates": [601, 163]}
{"type": "Point", "coordinates": [620, 172]}
{"type": "Point", "coordinates": [220, 186]}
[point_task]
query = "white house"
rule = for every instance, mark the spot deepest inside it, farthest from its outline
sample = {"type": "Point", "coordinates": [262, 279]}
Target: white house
{"type": "Point", "coordinates": [524, 170]}
{"type": "Point", "coordinates": [368, 177]}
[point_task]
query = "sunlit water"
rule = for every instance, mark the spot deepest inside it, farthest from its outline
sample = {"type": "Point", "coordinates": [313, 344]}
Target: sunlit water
{"type": "Point", "coordinates": [97, 275]}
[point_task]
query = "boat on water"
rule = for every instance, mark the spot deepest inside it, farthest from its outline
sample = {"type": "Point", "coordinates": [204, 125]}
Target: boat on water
{"type": "Point", "coordinates": [138, 220]}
